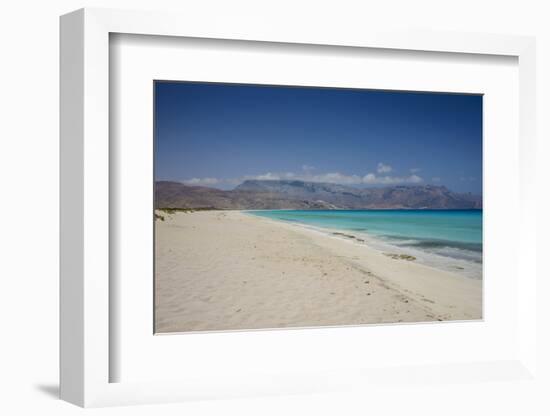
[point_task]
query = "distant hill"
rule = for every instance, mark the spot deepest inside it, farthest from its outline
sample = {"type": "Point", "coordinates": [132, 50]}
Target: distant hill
{"type": "Point", "coordinates": [287, 194]}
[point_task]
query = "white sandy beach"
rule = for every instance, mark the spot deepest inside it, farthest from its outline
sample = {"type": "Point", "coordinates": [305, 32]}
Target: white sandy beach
{"type": "Point", "coordinates": [227, 270]}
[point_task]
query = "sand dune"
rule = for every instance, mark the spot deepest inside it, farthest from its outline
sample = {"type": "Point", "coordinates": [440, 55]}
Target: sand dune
{"type": "Point", "coordinates": [227, 270]}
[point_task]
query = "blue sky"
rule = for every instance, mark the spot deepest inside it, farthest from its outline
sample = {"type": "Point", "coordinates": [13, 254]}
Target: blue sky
{"type": "Point", "coordinates": [218, 135]}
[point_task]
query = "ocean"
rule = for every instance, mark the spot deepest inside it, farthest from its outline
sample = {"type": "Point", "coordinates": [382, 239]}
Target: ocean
{"type": "Point", "coordinates": [445, 239]}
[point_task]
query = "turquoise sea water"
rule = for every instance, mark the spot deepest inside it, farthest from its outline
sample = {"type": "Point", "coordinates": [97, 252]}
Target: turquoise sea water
{"type": "Point", "coordinates": [451, 239]}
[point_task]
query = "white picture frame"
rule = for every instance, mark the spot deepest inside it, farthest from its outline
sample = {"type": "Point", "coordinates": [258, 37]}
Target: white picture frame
{"type": "Point", "coordinates": [85, 210]}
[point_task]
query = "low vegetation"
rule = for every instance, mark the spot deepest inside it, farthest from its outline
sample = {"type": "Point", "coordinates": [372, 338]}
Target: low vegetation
{"type": "Point", "coordinates": [185, 210]}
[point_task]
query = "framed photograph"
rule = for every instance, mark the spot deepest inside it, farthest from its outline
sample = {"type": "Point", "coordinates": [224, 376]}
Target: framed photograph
{"type": "Point", "coordinates": [272, 211]}
{"type": "Point", "coordinates": [282, 207]}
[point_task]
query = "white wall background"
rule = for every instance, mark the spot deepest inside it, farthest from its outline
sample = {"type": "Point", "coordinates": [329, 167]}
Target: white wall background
{"type": "Point", "coordinates": [29, 206]}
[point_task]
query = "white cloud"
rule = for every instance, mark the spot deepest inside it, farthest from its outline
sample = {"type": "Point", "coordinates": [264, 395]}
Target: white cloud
{"type": "Point", "coordinates": [372, 179]}
{"type": "Point", "coordinates": [335, 177]}
{"type": "Point", "coordinates": [331, 177]}
{"type": "Point", "coordinates": [308, 175]}
{"type": "Point", "coordinates": [266, 176]}
{"type": "Point", "coordinates": [436, 179]}
{"type": "Point", "coordinates": [202, 181]}
{"type": "Point", "coordinates": [382, 168]}
{"type": "Point", "coordinates": [415, 170]}
{"type": "Point", "coordinates": [232, 181]}
{"type": "Point", "coordinates": [414, 179]}
{"type": "Point", "coordinates": [369, 178]}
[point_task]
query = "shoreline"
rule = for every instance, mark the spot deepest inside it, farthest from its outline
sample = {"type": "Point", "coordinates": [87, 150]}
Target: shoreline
{"type": "Point", "coordinates": [233, 270]}
{"type": "Point", "coordinates": [467, 268]}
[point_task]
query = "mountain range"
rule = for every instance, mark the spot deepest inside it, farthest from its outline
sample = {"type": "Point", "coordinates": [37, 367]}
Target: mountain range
{"type": "Point", "coordinates": [295, 194]}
